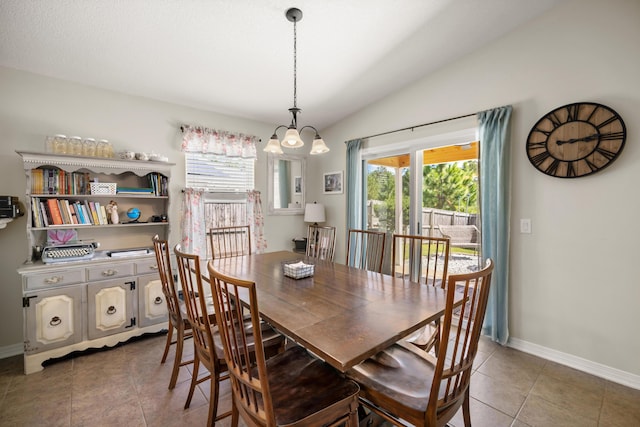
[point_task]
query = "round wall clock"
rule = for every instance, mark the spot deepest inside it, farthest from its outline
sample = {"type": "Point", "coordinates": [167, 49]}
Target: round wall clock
{"type": "Point", "coordinates": [576, 140]}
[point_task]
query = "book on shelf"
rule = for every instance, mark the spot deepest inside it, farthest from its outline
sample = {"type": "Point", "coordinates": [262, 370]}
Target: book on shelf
{"type": "Point", "coordinates": [134, 190]}
{"type": "Point", "coordinates": [103, 215]}
{"type": "Point", "coordinates": [46, 216]}
{"type": "Point", "coordinates": [54, 209]}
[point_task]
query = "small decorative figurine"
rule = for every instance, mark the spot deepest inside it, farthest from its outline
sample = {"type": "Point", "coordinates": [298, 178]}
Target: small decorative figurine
{"type": "Point", "coordinates": [112, 209]}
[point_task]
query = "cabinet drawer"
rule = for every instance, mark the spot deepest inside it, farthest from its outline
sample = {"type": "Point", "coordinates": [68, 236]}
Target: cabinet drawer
{"type": "Point", "coordinates": [54, 278]}
{"type": "Point", "coordinates": [110, 271]}
{"type": "Point", "coordinates": [147, 266]}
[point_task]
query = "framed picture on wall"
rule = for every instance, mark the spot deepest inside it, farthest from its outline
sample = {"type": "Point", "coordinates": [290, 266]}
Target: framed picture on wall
{"type": "Point", "coordinates": [333, 183]}
{"type": "Point", "coordinates": [297, 185]}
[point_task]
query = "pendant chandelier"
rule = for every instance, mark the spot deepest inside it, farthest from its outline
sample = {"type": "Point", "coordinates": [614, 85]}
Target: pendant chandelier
{"type": "Point", "coordinates": [292, 136]}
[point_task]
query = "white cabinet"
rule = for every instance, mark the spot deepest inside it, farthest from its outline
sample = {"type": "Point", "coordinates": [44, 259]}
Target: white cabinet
{"type": "Point", "coordinates": [80, 304]}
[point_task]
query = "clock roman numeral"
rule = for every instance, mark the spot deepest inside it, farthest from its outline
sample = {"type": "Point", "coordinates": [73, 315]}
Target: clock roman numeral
{"type": "Point", "coordinates": [534, 145]}
{"type": "Point", "coordinates": [539, 158]}
{"type": "Point", "coordinates": [609, 155]}
{"type": "Point", "coordinates": [554, 120]}
{"type": "Point", "coordinates": [606, 122]}
{"type": "Point", "coordinates": [545, 132]}
{"type": "Point", "coordinates": [611, 136]}
{"type": "Point", "coordinates": [572, 112]}
{"type": "Point", "coordinates": [553, 167]}
{"type": "Point", "coordinates": [591, 165]}
{"type": "Point", "coordinates": [571, 172]}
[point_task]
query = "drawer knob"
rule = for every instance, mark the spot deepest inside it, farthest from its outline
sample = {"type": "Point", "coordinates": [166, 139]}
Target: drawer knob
{"type": "Point", "coordinates": [157, 301]}
{"type": "Point", "coordinates": [53, 280]}
{"type": "Point", "coordinates": [55, 321]}
{"type": "Point", "coordinates": [153, 267]}
{"type": "Point", "coordinates": [109, 272]}
{"type": "Point", "coordinates": [111, 310]}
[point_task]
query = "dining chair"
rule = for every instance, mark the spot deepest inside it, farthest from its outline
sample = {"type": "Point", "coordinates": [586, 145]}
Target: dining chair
{"type": "Point", "coordinates": [230, 241]}
{"type": "Point", "coordinates": [321, 242]}
{"type": "Point", "coordinates": [405, 382]}
{"type": "Point", "coordinates": [365, 249]}
{"type": "Point", "coordinates": [177, 315]}
{"type": "Point", "coordinates": [422, 259]}
{"type": "Point", "coordinates": [208, 349]}
{"type": "Point", "coordinates": [292, 388]}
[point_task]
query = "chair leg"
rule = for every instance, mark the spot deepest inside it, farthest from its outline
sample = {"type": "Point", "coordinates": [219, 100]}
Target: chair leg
{"type": "Point", "coordinates": [213, 403]}
{"type": "Point", "coordinates": [178, 358]}
{"type": "Point", "coordinates": [194, 380]}
{"type": "Point", "coordinates": [466, 414]}
{"type": "Point", "coordinates": [235, 415]}
{"type": "Point", "coordinates": [168, 344]}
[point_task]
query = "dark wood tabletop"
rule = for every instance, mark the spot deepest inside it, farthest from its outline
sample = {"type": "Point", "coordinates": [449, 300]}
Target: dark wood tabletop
{"type": "Point", "coordinates": [342, 314]}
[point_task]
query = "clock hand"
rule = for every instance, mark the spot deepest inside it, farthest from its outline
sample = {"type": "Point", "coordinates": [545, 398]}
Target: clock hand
{"type": "Point", "coordinates": [585, 139]}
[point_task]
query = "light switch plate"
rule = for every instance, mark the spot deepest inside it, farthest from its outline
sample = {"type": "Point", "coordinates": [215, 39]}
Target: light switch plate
{"type": "Point", "coordinates": [525, 226]}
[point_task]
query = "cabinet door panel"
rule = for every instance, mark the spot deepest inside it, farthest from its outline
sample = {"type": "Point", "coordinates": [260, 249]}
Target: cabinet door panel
{"type": "Point", "coordinates": [152, 306]}
{"type": "Point", "coordinates": [53, 319]}
{"type": "Point", "coordinates": [109, 307]}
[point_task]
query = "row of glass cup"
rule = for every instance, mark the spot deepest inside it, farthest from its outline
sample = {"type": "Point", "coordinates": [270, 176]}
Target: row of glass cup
{"type": "Point", "coordinates": [77, 146]}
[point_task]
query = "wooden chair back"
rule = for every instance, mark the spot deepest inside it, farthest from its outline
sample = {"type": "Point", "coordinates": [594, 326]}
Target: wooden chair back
{"type": "Point", "coordinates": [459, 344]}
{"type": "Point", "coordinates": [404, 382]}
{"type": "Point", "coordinates": [163, 259]}
{"type": "Point", "coordinates": [420, 259]}
{"type": "Point", "coordinates": [177, 321]}
{"type": "Point", "coordinates": [202, 326]}
{"type": "Point", "coordinates": [365, 249]}
{"type": "Point", "coordinates": [231, 241]}
{"type": "Point", "coordinates": [321, 242]}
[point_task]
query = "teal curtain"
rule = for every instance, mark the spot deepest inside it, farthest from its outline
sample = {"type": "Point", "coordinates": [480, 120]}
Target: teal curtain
{"type": "Point", "coordinates": [356, 186]}
{"type": "Point", "coordinates": [495, 206]}
{"type": "Point", "coordinates": [283, 179]}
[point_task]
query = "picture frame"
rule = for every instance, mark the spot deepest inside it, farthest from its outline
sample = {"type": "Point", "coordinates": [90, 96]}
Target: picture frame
{"type": "Point", "coordinates": [297, 185]}
{"type": "Point", "coordinates": [333, 183]}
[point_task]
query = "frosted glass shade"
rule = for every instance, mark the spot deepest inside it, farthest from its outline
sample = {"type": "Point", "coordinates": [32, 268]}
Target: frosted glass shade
{"type": "Point", "coordinates": [273, 146]}
{"type": "Point", "coordinates": [292, 139]}
{"type": "Point", "coordinates": [318, 147]}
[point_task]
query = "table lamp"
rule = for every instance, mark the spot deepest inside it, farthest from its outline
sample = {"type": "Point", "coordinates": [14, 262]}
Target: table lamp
{"type": "Point", "coordinates": [314, 212]}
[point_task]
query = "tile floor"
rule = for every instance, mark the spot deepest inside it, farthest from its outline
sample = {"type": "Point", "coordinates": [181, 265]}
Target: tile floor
{"type": "Point", "coordinates": [126, 386]}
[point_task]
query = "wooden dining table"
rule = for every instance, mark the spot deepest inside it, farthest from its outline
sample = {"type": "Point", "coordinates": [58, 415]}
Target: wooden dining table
{"type": "Point", "coordinates": [341, 314]}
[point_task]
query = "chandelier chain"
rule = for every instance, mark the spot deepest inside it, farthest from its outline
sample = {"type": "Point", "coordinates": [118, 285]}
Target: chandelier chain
{"type": "Point", "coordinates": [295, 64]}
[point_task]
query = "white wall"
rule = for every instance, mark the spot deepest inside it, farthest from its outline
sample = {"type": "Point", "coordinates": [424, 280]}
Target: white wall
{"type": "Point", "coordinates": [574, 292]}
{"type": "Point", "coordinates": [32, 107]}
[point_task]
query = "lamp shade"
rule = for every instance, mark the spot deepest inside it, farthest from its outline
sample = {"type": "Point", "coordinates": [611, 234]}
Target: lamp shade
{"type": "Point", "coordinates": [314, 212]}
{"type": "Point", "coordinates": [318, 147]}
{"type": "Point", "coordinates": [292, 138]}
{"type": "Point", "coordinates": [273, 146]}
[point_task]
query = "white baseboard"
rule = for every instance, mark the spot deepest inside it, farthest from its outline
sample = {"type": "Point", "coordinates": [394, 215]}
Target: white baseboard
{"type": "Point", "coordinates": [11, 350]}
{"type": "Point", "coordinates": [612, 374]}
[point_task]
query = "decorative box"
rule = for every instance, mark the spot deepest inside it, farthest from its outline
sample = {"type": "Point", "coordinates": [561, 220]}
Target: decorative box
{"type": "Point", "coordinates": [103, 187]}
{"type": "Point", "coordinates": [298, 270]}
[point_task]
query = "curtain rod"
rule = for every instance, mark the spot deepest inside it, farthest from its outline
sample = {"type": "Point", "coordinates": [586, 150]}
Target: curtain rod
{"type": "Point", "coordinates": [416, 126]}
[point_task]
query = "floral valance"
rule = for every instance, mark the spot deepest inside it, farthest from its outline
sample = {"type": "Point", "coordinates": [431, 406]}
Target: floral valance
{"type": "Point", "coordinates": [197, 139]}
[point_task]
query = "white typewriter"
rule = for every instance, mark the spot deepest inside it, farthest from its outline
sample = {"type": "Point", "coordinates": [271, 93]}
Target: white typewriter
{"type": "Point", "coordinates": [76, 251]}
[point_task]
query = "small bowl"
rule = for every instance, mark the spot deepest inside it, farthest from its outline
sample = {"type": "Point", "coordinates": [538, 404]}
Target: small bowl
{"type": "Point", "coordinates": [127, 155]}
{"type": "Point", "coordinates": [142, 156]}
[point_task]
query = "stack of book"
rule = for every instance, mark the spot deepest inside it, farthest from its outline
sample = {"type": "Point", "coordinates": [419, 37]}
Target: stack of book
{"type": "Point", "coordinates": [55, 212]}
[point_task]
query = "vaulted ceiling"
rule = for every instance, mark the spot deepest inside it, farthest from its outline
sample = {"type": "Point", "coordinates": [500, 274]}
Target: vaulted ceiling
{"type": "Point", "coordinates": [236, 56]}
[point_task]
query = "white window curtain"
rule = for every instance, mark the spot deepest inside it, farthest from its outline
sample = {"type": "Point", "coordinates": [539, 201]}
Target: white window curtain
{"type": "Point", "coordinates": [198, 139]}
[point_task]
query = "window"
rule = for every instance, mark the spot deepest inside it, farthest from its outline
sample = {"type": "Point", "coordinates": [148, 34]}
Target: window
{"type": "Point", "coordinates": [219, 174]}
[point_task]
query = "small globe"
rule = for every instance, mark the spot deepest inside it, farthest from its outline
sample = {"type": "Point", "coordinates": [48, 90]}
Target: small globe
{"type": "Point", "coordinates": [133, 214]}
